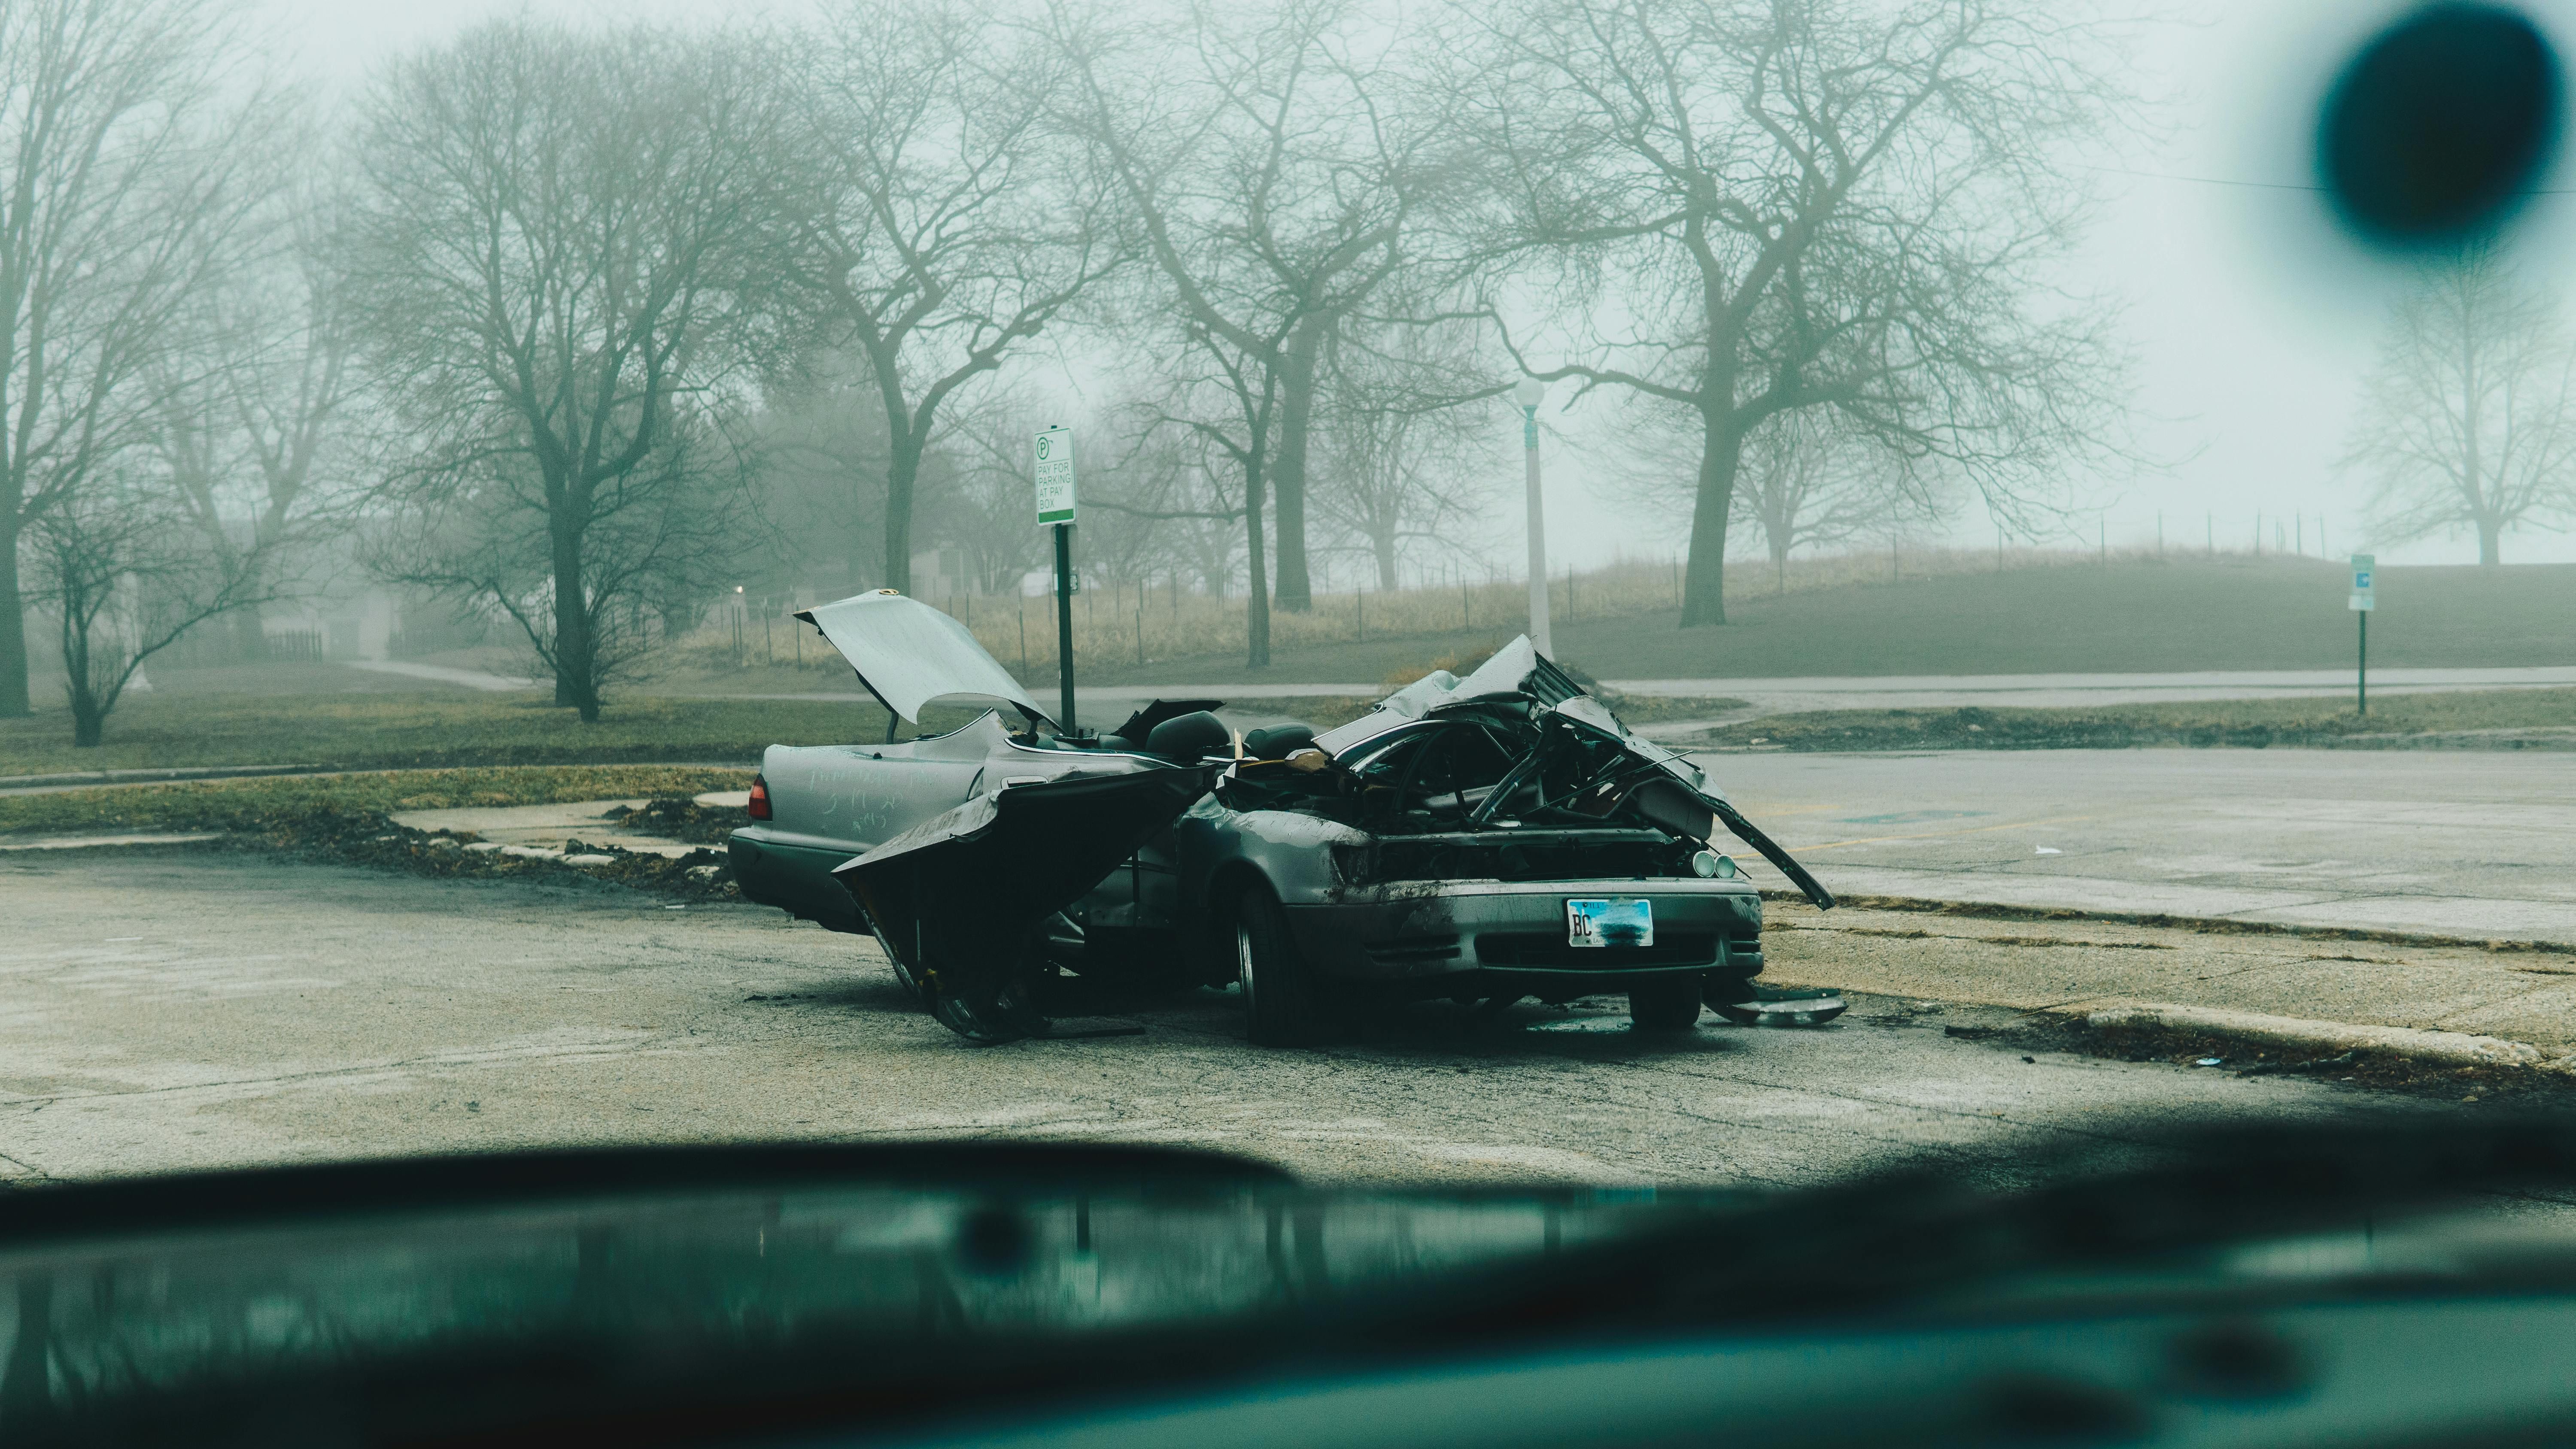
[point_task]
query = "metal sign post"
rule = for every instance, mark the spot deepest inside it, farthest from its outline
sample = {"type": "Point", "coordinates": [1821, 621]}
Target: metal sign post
{"type": "Point", "coordinates": [2364, 599]}
{"type": "Point", "coordinates": [1055, 500]}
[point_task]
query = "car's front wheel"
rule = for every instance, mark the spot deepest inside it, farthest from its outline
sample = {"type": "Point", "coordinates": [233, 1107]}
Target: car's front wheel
{"type": "Point", "coordinates": [1667, 1004]}
{"type": "Point", "coordinates": [1281, 1006]}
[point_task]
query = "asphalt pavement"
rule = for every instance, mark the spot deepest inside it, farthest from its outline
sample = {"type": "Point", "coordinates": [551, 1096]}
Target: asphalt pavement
{"type": "Point", "coordinates": [2469, 844]}
{"type": "Point", "coordinates": [185, 1010]}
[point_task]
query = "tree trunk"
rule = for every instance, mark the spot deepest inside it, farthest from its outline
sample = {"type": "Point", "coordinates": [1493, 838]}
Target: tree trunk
{"type": "Point", "coordinates": [250, 633]}
{"type": "Point", "coordinates": [1704, 576]}
{"type": "Point", "coordinates": [1256, 603]}
{"type": "Point", "coordinates": [14, 703]}
{"type": "Point", "coordinates": [1383, 545]}
{"type": "Point", "coordinates": [576, 652]}
{"type": "Point", "coordinates": [89, 720]}
{"type": "Point", "coordinates": [1779, 569]}
{"type": "Point", "coordinates": [2490, 543]}
{"type": "Point", "coordinates": [1296, 412]}
{"type": "Point", "coordinates": [903, 468]}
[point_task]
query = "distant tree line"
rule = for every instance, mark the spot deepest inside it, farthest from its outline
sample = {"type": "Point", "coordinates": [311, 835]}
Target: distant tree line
{"type": "Point", "coordinates": [579, 327]}
{"type": "Point", "coordinates": [2469, 419]}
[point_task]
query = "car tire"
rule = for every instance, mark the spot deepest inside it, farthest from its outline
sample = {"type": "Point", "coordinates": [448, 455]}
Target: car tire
{"type": "Point", "coordinates": [1670, 1004]}
{"type": "Point", "coordinates": [1281, 1007]}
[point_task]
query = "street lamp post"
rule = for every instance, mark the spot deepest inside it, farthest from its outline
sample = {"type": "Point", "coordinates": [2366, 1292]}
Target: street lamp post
{"type": "Point", "coordinates": [1528, 393]}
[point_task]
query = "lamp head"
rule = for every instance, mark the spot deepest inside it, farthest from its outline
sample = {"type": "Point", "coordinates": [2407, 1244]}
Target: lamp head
{"type": "Point", "coordinates": [1528, 392]}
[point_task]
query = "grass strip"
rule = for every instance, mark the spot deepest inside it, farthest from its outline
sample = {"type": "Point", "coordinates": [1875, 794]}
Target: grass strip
{"type": "Point", "coordinates": [264, 806]}
{"type": "Point", "coordinates": [402, 731]}
{"type": "Point", "coordinates": [415, 731]}
{"type": "Point", "coordinates": [2481, 719]}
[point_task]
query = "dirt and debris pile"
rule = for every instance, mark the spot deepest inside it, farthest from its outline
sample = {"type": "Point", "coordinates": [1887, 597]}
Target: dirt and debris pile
{"type": "Point", "coordinates": [372, 838]}
{"type": "Point", "coordinates": [682, 820]}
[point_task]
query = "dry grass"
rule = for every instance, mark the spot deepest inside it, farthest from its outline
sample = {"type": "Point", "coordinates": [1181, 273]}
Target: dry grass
{"type": "Point", "coordinates": [2503, 719]}
{"type": "Point", "coordinates": [390, 731]}
{"type": "Point", "coordinates": [1126, 622]}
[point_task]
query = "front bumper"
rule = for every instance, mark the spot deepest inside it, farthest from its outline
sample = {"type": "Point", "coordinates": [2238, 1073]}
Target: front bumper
{"type": "Point", "coordinates": [1418, 931]}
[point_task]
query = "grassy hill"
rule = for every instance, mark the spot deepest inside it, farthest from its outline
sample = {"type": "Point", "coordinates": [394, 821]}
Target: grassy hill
{"type": "Point", "coordinates": [2126, 616]}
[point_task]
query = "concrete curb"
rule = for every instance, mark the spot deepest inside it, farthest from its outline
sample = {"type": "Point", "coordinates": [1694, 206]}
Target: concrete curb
{"type": "Point", "coordinates": [155, 777]}
{"type": "Point", "coordinates": [2446, 1048]}
{"type": "Point", "coordinates": [2207, 925]}
{"type": "Point", "coordinates": [103, 842]}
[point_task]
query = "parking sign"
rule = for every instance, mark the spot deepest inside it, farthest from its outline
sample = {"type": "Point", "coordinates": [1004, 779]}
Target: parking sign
{"type": "Point", "coordinates": [2364, 567]}
{"type": "Point", "coordinates": [1055, 476]}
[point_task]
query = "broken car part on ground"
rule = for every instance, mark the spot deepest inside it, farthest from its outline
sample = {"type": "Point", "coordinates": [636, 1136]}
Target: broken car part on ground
{"type": "Point", "coordinates": [1489, 839]}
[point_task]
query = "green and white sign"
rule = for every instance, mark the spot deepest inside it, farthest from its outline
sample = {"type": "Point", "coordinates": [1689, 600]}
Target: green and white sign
{"type": "Point", "coordinates": [1055, 476]}
{"type": "Point", "coordinates": [2364, 568]}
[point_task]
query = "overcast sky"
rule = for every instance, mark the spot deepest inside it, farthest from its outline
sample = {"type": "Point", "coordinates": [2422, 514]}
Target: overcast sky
{"type": "Point", "coordinates": [2254, 320]}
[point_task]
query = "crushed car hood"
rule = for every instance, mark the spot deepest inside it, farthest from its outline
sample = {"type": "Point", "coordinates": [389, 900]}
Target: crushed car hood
{"type": "Point", "coordinates": [1677, 798]}
{"type": "Point", "coordinates": [909, 654]}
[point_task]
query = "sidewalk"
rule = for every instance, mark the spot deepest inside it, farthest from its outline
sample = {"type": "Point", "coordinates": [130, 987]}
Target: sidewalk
{"type": "Point", "coordinates": [2307, 990]}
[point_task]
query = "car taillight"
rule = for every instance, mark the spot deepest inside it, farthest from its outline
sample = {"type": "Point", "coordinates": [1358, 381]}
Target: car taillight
{"type": "Point", "coordinates": [759, 804]}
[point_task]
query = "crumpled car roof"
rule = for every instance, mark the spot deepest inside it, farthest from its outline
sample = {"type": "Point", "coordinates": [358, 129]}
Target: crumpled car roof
{"type": "Point", "coordinates": [910, 654]}
{"type": "Point", "coordinates": [1516, 671]}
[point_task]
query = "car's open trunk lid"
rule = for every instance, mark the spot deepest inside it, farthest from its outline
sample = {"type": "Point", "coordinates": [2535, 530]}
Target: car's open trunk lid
{"type": "Point", "coordinates": [909, 654]}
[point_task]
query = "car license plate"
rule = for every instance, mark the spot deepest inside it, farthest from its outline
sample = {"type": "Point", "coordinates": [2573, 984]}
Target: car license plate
{"type": "Point", "coordinates": [1622, 921]}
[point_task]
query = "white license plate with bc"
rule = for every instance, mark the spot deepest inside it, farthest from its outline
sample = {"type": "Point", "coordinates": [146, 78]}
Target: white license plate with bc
{"type": "Point", "coordinates": [1619, 921]}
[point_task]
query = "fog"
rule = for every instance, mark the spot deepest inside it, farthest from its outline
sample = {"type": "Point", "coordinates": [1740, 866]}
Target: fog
{"type": "Point", "coordinates": [2253, 316]}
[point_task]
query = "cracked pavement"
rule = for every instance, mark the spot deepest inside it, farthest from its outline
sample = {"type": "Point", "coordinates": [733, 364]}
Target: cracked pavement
{"type": "Point", "coordinates": [182, 1009]}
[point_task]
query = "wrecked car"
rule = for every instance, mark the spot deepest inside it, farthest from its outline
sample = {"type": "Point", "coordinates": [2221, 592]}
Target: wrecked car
{"type": "Point", "coordinates": [1490, 838]}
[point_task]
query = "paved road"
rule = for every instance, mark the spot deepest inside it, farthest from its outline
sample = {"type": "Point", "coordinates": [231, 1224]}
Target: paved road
{"type": "Point", "coordinates": [2469, 844]}
{"type": "Point", "coordinates": [171, 1011]}
{"type": "Point", "coordinates": [1951, 691]}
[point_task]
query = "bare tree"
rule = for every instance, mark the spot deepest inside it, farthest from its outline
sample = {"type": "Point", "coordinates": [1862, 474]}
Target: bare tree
{"type": "Point", "coordinates": [1400, 450]}
{"type": "Point", "coordinates": [552, 232]}
{"type": "Point", "coordinates": [1224, 406]}
{"type": "Point", "coordinates": [1176, 512]}
{"type": "Point", "coordinates": [125, 576]}
{"type": "Point", "coordinates": [984, 506]}
{"type": "Point", "coordinates": [2471, 415]}
{"type": "Point", "coordinates": [941, 223]}
{"type": "Point", "coordinates": [247, 416]}
{"type": "Point", "coordinates": [1803, 482]}
{"type": "Point", "coordinates": [821, 451]}
{"type": "Point", "coordinates": [129, 178]}
{"type": "Point", "coordinates": [1275, 189]}
{"type": "Point", "coordinates": [1800, 204]}
{"type": "Point", "coordinates": [1805, 488]}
